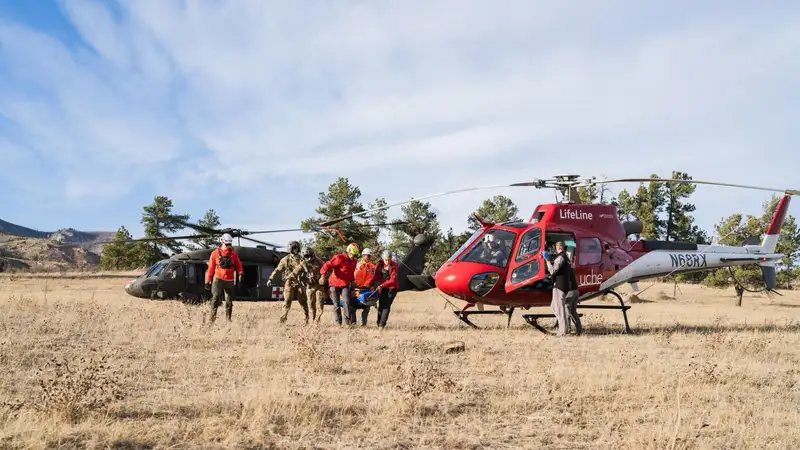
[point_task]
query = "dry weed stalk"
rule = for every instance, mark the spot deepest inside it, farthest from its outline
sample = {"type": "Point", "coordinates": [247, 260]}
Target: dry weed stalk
{"type": "Point", "coordinates": [73, 391]}
{"type": "Point", "coordinates": [312, 344]}
{"type": "Point", "coordinates": [420, 376]}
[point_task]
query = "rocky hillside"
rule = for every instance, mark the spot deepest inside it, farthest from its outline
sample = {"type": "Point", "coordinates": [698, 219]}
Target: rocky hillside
{"type": "Point", "coordinates": [24, 248]}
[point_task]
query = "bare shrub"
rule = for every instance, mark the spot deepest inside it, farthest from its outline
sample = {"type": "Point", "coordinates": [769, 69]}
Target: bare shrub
{"type": "Point", "coordinates": [72, 391]}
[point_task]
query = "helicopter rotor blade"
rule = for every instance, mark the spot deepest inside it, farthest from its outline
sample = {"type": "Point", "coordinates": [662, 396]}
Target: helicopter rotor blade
{"type": "Point", "coordinates": [316, 229]}
{"type": "Point", "coordinates": [712, 183]}
{"type": "Point", "coordinates": [200, 228]}
{"type": "Point", "coordinates": [534, 183]}
{"type": "Point", "coordinates": [261, 242]}
{"type": "Point", "coordinates": [160, 239]}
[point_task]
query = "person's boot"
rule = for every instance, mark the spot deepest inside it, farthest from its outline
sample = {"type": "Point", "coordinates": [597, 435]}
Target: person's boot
{"type": "Point", "coordinates": [229, 314]}
{"type": "Point", "coordinates": [213, 316]}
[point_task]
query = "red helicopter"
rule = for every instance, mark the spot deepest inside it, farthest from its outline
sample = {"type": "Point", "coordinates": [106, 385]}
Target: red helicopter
{"type": "Point", "coordinates": [502, 264]}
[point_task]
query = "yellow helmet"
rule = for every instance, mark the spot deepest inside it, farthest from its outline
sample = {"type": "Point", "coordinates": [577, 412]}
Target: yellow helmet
{"type": "Point", "coordinates": [353, 250]}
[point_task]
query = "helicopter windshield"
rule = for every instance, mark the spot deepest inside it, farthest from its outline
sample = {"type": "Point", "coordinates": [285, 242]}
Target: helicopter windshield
{"type": "Point", "coordinates": [155, 269]}
{"type": "Point", "coordinates": [464, 245]}
{"type": "Point", "coordinates": [494, 249]}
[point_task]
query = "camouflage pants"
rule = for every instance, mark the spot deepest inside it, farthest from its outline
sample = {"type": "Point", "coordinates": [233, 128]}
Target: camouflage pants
{"type": "Point", "coordinates": [314, 297]}
{"type": "Point", "coordinates": [292, 292]}
{"type": "Point", "coordinates": [220, 289]}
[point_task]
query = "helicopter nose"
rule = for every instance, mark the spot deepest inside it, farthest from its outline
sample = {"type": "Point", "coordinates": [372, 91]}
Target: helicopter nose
{"type": "Point", "coordinates": [447, 281]}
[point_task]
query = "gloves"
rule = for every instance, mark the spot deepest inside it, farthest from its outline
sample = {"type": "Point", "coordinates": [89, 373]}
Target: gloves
{"type": "Point", "coordinates": [208, 286]}
{"type": "Point", "coordinates": [322, 280]}
{"type": "Point", "coordinates": [546, 255]}
{"type": "Point", "coordinates": [241, 278]}
{"type": "Point", "coordinates": [269, 282]}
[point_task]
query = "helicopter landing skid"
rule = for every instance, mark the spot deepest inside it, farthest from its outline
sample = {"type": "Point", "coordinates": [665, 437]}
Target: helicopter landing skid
{"type": "Point", "coordinates": [622, 307]}
{"type": "Point", "coordinates": [463, 315]}
{"type": "Point", "coordinates": [533, 319]}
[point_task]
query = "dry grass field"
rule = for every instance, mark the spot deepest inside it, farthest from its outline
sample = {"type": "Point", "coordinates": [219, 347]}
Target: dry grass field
{"type": "Point", "coordinates": [85, 366]}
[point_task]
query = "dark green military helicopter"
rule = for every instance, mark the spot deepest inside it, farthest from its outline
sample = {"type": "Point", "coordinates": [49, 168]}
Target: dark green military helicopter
{"type": "Point", "coordinates": [182, 276]}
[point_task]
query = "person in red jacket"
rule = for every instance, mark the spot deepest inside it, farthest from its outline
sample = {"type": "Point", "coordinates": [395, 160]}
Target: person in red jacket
{"type": "Point", "coordinates": [385, 282]}
{"type": "Point", "coordinates": [343, 266]}
{"type": "Point", "coordinates": [222, 267]}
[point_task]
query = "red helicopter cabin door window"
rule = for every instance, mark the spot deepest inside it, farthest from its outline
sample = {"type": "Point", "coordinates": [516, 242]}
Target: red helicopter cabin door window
{"type": "Point", "coordinates": [527, 266]}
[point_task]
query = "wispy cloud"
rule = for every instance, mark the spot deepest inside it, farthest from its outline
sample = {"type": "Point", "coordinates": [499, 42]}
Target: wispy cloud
{"type": "Point", "coordinates": [252, 107]}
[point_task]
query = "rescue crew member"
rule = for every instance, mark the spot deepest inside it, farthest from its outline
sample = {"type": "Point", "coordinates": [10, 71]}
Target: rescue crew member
{"type": "Point", "coordinates": [365, 272]}
{"type": "Point", "coordinates": [343, 267]}
{"type": "Point", "coordinates": [385, 280]}
{"type": "Point", "coordinates": [565, 290]}
{"type": "Point", "coordinates": [308, 274]}
{"type": "Point", "coordinates": [222, 267]}
{"type": "Point", "coordinates": [291, 284]}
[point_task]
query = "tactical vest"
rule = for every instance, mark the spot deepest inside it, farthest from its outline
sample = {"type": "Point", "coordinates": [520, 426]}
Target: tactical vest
{"type": "Point", "coordinates": [564, 279]}
{"type": "Point", "coordinates": [225, 261]}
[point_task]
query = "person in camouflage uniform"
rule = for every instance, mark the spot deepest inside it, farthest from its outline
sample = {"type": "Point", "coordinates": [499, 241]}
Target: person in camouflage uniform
{"type": "Point", "coordinates": [308, 274]}
{"type": "Point", "coordinates": [291, 284]}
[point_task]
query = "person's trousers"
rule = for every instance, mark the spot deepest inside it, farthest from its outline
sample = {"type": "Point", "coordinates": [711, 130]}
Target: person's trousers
{"type": "Point", "coordinates": [385, 305]}
{"type": "Point", "coordinates": [343, 294]}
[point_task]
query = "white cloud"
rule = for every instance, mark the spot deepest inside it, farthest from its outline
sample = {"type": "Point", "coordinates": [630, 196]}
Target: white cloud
{"type": "Point", "coordinates": [259, 105]}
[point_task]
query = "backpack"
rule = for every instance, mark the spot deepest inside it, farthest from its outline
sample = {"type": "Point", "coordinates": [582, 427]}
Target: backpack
{"type": "Point", "coordinates": [225, 260]}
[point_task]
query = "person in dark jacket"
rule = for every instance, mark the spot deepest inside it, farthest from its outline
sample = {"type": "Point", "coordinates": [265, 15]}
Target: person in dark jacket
{"type": "Point", "coordinates": [385, 282]}
{"type": "Point", "coordinates": [565, 290]}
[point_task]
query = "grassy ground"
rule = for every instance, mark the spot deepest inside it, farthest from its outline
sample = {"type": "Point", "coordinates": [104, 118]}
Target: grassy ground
{"type": "Point", "coordinates": [87, 366]}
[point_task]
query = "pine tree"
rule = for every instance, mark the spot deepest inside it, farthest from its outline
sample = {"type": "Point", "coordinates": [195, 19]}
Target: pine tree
{"type": "Point", "coordinates": [158, 220]}
{"type": "Point", "coordinates": [587, 194]}
{"type": "Point", "coordinates": [626, 206]}
{"type": "Point", "coordinates": [419, 220]}
{"type": "Point", "coordinates": [497, 209]}
{"type": "Point", "coordinates": [209, 220]}
{"type": "Point", "coordinates": [648, 204]}
{"type": "Point", "coordinates": [341, 199]}
{"type": "Point", "coordinates": [679, 224]}
{"type": "Point", "coordinates": [114, 255]}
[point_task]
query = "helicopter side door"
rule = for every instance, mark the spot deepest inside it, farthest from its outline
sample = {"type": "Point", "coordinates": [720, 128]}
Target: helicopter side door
{"type": "Point", "coordinates": [589, 269]}
{"type": "Point", "coordinates": [173, 279]}
{"type": "Point", "coordinates": [526, 265]}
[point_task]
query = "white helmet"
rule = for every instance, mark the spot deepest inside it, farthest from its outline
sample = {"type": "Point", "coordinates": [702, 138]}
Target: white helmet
{"type": "Point", "coordinates": [366, 251]}
{"type": "Point", "coordinates": [387, 255]}
{"type": "Point", "coordinates": [226, 239]}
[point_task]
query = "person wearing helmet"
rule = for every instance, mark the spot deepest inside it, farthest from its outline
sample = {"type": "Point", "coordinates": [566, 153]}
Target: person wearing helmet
{"type": "Point", "coordinates": [385, 282]}
{"type": "Point", "coordinates": [308, 274]}
{"type": "Point", "coordinates": [291, 283]}
{"type": "Point", "coordinates": [365, 271]}
{"type": "Point", "coordinates": [342, 268]}
{"type": "Point", "coordinates": [221, 275]}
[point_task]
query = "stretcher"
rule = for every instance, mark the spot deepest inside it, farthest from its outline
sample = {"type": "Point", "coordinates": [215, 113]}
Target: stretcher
{"type": "Point", "coordinates": [360, 298]}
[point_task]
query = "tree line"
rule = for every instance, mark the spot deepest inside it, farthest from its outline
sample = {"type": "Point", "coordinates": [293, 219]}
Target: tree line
{"type": "Point", "coordinates": [159, 222]}
{"type": "Point", "coordinates": [664, 209]}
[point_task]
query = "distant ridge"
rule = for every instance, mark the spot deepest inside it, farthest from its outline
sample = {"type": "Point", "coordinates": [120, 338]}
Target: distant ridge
{"type": "Point", "coordinates": [68, 236]}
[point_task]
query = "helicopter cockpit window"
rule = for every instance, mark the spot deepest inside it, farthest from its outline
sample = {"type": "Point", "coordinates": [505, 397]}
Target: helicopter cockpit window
{"type": "Point", "coordinates": [465, 245]}
{"type": "Point", "coordinates": [494, 248]}
{"type": "Point", "coordinates": [176, 268]}
{"type": "Point", "coordinates": [156, 269]}
{"type": "Point", "coordinates": [529, 244]}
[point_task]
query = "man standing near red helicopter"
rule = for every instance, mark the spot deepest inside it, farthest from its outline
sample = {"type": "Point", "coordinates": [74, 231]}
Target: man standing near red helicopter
{"type": "Point", "coordinates": [565, 290]}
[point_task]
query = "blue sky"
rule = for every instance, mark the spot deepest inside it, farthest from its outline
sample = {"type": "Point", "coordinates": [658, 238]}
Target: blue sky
{"type": "Point", "coordinates": [254, 107]}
